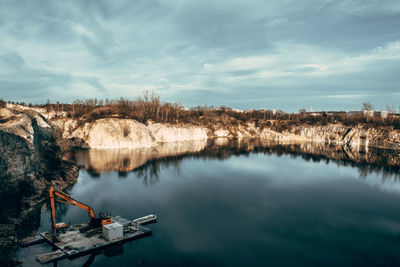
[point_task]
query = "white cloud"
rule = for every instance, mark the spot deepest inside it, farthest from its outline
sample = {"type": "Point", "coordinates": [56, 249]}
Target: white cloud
{"type": "Point", "coordinates": [191, 49]}
{"type": "Point", "coordinates": [81, 30]}
{"type": "Point", "coordinates": [302, 61]}
{"type": "Point", "coordinates": [369, 7]}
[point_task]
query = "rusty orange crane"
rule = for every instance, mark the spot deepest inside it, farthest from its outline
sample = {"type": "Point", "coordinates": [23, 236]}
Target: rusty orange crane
{"type": "Point", "coordinates": [93, 220]}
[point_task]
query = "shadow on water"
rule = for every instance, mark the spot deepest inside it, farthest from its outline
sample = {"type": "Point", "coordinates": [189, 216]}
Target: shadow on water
{"type": "Point", "coordinates": [147, 163]}
{"type": "Point", "coordinates": [111, 251]}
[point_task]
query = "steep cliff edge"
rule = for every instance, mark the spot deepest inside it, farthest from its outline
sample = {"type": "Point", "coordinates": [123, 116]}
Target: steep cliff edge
{"type": "Point", "coordinates": [30, 158]}
{"type": "Point", "coordinates": [128, 133]}
{"type": "Point", "coordinates": [357, 137]}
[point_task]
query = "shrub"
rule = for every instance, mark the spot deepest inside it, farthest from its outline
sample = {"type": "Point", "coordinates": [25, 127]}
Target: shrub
{"type": "Point", "coordinates": [3, 103]}
{"type": "Point", "coordinates": [126, 131]}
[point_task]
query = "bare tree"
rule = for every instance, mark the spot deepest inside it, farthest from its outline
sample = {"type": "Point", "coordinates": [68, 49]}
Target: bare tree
{"type": "Point", "coordinates": [390, 109]}
{"type": "Point", "coordinates": [367, 106]}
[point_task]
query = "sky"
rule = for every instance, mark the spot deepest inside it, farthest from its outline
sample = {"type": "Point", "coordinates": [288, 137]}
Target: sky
{"type": "Point", "coordinates": [249, 54]}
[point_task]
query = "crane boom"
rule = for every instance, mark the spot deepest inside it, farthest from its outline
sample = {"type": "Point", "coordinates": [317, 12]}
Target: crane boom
{"type": "Point", "coordinates": [93, 221]}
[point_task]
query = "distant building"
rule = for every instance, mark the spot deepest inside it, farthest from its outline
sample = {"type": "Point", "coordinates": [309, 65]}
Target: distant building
{"type": "Point", "coordinates": [369, 113]}
{"type": "Point", "coordinates": [384, 114]}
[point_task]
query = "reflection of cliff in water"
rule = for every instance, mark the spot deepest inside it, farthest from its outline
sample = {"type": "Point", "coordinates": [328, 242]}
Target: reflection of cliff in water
{"type": "Point", "coordinates": [147, 163]}
{"type": "Point", "coordinates": [383, 162]}
{"type": "Point", "coordinates": [144, 161]}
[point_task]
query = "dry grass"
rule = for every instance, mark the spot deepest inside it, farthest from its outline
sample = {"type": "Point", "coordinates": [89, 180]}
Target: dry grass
{"type": "Point", "coordinates": [149, 107]}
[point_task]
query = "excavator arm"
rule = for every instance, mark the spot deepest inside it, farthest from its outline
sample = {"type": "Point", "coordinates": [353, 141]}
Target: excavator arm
{"type": "Point", "coordinates": [70, 201]}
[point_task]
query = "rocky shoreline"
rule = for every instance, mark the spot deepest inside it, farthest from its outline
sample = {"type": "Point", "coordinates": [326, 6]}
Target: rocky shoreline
{"type": "Point", "coordinates": [116, 132]}
{"type": "Point", "coordinates": [31, 158]}
{"type": "Point", "coordinates": [126, 133]}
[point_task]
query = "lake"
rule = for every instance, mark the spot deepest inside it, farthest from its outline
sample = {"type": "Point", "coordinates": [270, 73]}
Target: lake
{"type": "Point", "coordinates": [235, 203]}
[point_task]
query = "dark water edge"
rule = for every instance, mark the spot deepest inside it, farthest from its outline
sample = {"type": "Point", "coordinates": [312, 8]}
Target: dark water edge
{"type": "Point", "coordinates": [243, 202]}
{"type": "Point", "coordinates": [147, 162]}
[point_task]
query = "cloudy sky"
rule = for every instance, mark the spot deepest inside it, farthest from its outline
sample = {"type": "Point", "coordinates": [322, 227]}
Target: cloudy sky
{"type": "Point", "coordinates": [286, 54]}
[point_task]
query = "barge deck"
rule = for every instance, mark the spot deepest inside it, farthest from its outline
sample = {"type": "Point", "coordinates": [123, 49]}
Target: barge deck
{"type": "Point", "coordinates": [80, 239]}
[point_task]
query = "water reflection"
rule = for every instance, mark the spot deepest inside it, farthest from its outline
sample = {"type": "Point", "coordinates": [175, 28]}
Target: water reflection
{"type": "Point", "coordinates": [147, 163]}
{"type": "Point", "coordinates": [126, 160]}
{"type": "Point", "coordinates": [244, 203]}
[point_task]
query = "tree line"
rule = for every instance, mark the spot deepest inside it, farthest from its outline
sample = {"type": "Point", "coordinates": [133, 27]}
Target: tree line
{"type": "Point", "coordinates": [149, 107]}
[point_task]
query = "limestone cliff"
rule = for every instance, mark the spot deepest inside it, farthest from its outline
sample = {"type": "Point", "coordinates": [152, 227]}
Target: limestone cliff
{"type": "Point", "coordinates": [30, 158]}
{"type": "Point", "coordinates": [127, 133]}
{"type": "Point", "coordinates": [355, 137]}
{"type": "Point", "coordinates": [163, 133]}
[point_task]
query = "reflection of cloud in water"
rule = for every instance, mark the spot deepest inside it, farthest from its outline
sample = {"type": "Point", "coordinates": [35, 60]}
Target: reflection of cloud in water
{"type": "Point", "coordinates": [147, 162]}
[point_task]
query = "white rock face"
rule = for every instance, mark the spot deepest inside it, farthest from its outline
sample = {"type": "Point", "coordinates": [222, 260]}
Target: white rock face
{"type": "Point", "coordinates": [163, 133]}
{"type": "Point", "coordinates": [221, 133]}
{"type": "Point", "coordinates": [127, 133]}
{"type": "Point", "coordinates": [22, 125]}
{"type": "Point", "coordinates": [68, 127]}
{"type": "Point", "coordinates": [41, 121]}
{"type": "Point", "coordinates": [118, 133]}
{"type": "Point", "coordinates": [5, 113]}
{"type": "Point", "coordinates": [26, 143]}
{"type": "Point", "coordinates": [281, 137]}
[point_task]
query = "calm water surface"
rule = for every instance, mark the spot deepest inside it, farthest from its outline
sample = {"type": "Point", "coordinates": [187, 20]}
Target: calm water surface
{"type": "Point", "coordinates": [242, 209]}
